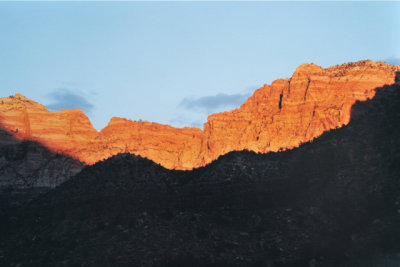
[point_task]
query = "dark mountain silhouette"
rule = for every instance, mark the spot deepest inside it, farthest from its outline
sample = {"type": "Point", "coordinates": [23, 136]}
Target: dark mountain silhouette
{"type": "Point", "coordinates": [334, 201]}
{"type": "Point", "coordinates": [27, 170]}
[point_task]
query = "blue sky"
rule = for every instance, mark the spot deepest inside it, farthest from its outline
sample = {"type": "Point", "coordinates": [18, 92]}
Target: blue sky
{"type": "Point", "coordinates": [177, 62]}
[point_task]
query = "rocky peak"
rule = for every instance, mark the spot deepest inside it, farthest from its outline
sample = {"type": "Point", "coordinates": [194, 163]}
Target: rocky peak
{"type": "Point", "coordinates": [19, 101]}
{"type": "Point", "coordinates": [19, 96]}
{"type": "Point", "coordinates": [308, 68]}
{"type": "Point", "coordinates": [276, 117]}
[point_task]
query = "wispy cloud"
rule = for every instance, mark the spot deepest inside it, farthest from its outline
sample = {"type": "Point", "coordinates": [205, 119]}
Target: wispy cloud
{"type": "Point", "coordinates": [65, 98]}
{"type": "Point", "coordinates": [214, 102]}
{"type": "Point", "coordinates": [392, 61]}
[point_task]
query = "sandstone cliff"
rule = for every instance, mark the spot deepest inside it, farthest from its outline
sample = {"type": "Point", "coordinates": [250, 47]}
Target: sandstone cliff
{"type": "Point", "coordinates": [332, 202]}
{"type": "Point", "coordinates": [277, 117]}
{"type": "Point", "coordinates": [296, 110]}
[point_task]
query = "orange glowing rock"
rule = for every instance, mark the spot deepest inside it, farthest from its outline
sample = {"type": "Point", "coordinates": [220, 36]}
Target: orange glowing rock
{"type": "Point", "coordinates": [278, 116]}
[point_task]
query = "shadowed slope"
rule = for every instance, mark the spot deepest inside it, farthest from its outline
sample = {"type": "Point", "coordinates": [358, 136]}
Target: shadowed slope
{"type": "Point", "coordinates": [334, 201]}
{"type": "Point", "coordinates": [27, 170]}
{"type": "Point", "coordinates": [27, 164]}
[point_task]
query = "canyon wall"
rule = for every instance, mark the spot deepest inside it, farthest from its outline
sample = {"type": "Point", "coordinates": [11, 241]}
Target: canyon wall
{"type": "Point", "coordinates": [276, 117]}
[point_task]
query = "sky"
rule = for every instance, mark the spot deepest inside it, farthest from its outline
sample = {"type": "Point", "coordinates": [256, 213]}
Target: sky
{"type": "Point", "coordinates": [177, 62]}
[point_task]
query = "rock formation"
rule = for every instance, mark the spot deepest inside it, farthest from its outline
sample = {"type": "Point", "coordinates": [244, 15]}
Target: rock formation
{"type": "Point", "coordinates": [277, 117]}
{"type": "Point", "coordinates": [331, 202]}
{"type": "Point", "coordinates": [29, 164]}
{"type": "Point", "coordinates": [63, 131]}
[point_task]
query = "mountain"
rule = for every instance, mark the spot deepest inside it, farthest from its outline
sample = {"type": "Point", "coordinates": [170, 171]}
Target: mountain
{"type": "Point", "coordinates": [333, 201]}
{"type": "Point", "coordinates": [279, 116]}
{"type": "Point", "coordinates": [29, 164]}
{"type": "Point", "coordinates": [26, 164]}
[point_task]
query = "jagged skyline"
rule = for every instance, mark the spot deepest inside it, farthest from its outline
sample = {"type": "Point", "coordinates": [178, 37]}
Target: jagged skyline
{"type": "Point", "coordinates": [281, 116]}
{"type": "Point", "coordinates": [175, 63]}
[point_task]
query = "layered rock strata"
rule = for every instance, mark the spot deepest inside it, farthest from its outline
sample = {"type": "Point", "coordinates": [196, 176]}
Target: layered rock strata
{"type": "Point", "coordinates": [276, 117]}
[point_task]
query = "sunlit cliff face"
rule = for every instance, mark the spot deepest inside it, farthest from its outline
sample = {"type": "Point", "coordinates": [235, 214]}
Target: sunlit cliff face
{"type": "Point", "coordinates": [278, 116]}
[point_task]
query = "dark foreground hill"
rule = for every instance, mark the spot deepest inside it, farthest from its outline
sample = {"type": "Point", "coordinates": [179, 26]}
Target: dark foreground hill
{"type": "Point", "coordinates": [332, 202]}
{"type": "Point", "coordinates": [28, 169]}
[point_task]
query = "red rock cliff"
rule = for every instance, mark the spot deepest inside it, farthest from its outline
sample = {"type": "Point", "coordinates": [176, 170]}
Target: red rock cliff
{"type": "Point", "coordinates": [278, 116]}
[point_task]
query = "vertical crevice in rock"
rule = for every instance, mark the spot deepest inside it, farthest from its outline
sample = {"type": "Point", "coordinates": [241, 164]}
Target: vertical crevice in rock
{"type": "Point", "coordinates": [280, 100]}
{"type": "Point", "coordinates": [309, 123]}
{"type": "Point", "coordinates": [308, 85]}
